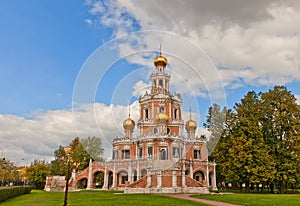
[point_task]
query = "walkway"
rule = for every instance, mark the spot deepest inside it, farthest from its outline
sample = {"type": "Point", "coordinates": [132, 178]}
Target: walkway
{"type": "Point", "coordinates": [188, 197]}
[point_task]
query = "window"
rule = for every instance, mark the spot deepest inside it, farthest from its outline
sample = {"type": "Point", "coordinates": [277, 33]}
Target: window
{"type": "Point", "coordinates": [154, 83]}
{"type": "Point", "coordinates": [115, 154]}
{"type": "Point", "coordinates": [197, 154]}
{"type": "Point", "coordinates": [168, 130]}
{"type": "Point", "coordinates": [163, 154]}
{"type": "Point", "coordinates": [146, 114]}
{"type": "Point", "coordinates": [176, 152]}
{"type": "Point", "coordinates": [160, 83]}
{"type": "Point", "coordinates": [140, 152]}
{"type": "Point", "coordinates": [155, 130]}
{"type": "Point", "coordinates": [125, 154]}
{"type": "Point", "coordinates": [150, 151]}
{"type": "Point", "coordinates": [124, 179]}
{"type": "Point", "coordinates": [175, 113]}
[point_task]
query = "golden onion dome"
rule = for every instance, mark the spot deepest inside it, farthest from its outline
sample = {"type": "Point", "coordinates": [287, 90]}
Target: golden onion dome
{"type": "Point", "coordinates": [128, 124]}
{"type": "Point", "coordinates": [160, 60]}
{"type": "Point", "coordinates": [161, 118]}
{"type": "Point", "coordinates": [191, 125]}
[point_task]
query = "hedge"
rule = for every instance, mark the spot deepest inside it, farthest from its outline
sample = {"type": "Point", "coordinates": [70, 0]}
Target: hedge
{"type": "Point", "coordinates": [8, 192]}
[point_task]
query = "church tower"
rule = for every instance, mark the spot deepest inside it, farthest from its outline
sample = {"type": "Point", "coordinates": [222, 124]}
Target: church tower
{"type": "Point", "coordinates": [160, 111]}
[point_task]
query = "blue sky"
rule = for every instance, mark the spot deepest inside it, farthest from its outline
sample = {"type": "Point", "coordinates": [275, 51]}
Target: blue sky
{"type": "Point", "coordinates": [46, 46]}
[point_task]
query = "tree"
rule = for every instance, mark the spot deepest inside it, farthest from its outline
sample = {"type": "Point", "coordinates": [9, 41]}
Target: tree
{"type": "Point", "coordinates": [8, 172]}
{"type": "Point", "coordinates": [260, 142]}
{"type": "Point", "coordinates": [249, 160]}
{"type": "Point", "coordinates": [81, 152]}
{"type": "Point", "coordinates": [215, 123]}
{"type": "Point", "coordinates": [36, 174]}
{"type": "Point", "coordinates": [93, 146]}
{"type": "Point", "coordinates": [281, 129]}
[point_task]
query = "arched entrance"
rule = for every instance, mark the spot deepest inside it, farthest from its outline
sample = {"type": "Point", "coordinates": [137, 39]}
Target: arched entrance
{"type": "Point", "coordinates": [122, 177]}
{"type": "Point", "coordinates": [143, 172]}
{"type": "Point", "coordinates": [98, 180]}
{"type": "Point", "coordinates": [199, 176]}
{"type": "Point", "coordinates": [134, 175]}
{"type": "Point", "coordinates": [82, 183]}
{"type": "Point", "coordinates": [110, 180]}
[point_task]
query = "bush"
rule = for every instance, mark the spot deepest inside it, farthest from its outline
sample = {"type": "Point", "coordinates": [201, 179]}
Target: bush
{"type": "Point", "coordinates": [8, 192]}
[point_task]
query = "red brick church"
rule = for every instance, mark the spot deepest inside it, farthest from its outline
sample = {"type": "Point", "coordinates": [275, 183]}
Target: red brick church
{"type": "Point", "coordinates": [159, 158]}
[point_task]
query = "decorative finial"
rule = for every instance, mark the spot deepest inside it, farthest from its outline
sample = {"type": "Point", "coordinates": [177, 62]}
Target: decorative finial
{"type": "Point", "coordinates": [190, 113]}
{"type": "Point", "coordinates": [128, 110]}
{"type": "Point", "coordinates": [160, 49]}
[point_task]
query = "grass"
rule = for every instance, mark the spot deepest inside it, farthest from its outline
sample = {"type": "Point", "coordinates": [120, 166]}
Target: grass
{"type": "Point", "coordinates": [255, 199]}
{"type": "Point", "coordinates": [94, 198]}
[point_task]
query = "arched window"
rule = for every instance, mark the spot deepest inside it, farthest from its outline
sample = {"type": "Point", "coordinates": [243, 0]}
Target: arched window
{"type": "Point", "coordinates": [163, 154]}
{"type": "Point", "coordinates": [175, 113]}
{"type": "Point", "coordinates": [160, 83]}
{"type": "Point", "coordinates": [146, 114]}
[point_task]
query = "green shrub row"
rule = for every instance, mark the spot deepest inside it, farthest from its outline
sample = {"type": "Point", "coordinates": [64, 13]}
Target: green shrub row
{"type": "Point", "coordinates": [8, 192]}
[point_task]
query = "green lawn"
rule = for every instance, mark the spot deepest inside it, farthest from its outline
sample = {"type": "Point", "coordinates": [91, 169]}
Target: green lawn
{"type": "Point", "coordinates": [255, 199]}
{"type": "Point", "coordinates": [42, 198]}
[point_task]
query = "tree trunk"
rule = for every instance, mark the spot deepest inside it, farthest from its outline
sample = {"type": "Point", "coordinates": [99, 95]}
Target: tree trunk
{"type": "Point", "coordinates": [247, 188]}
{"type": "Point", "coordinates": [281, 187]}
{"type": "Point", "coordinates": [262, 188]}
{"type": "Point", "coordinates": [272, 187]}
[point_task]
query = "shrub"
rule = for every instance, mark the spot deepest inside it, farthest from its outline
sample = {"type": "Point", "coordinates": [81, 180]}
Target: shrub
{"type": "Point", "coordinates": [8, 192]}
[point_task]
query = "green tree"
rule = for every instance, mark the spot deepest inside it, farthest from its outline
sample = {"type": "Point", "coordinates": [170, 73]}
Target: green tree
{"type": "Point", "coordinates": [36, 174]}
{"type": "Point", "coordinates": [93, 146]}
{"type": "Point", "coordinates": [215, 123]}
{"type": "Point", "coordinates": [249, 159]}
{"type": "Point", "coordinates": [8, 172]}
{"type": "Point", "coordinates": [281, 129]}
{"type": "Point", "coordinates": [81, 153]}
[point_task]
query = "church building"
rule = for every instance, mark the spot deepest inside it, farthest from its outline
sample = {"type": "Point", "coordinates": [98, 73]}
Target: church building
{"type": "Point", "coordinates": [156, 157]}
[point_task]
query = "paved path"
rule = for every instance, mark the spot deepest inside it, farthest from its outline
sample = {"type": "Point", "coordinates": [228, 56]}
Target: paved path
{"type": "Point", "coordinates": [188, 197]}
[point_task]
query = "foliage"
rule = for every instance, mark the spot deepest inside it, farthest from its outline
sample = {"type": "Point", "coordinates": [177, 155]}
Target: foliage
{"type": "Point", "coordinates": [9, 192]}
{"type": "Point", "coordinates": [36, 174]}
{"type": "Point", "coordinates": [8, 172]}
{"type": "Point", "coordinates": [216, 123]}
{"type": "Point", "coordinates": [93, 146]}
{"type": "Point", "coordinates": [81, 152]}
{"type": "Point", "coordinates": [260, 141]}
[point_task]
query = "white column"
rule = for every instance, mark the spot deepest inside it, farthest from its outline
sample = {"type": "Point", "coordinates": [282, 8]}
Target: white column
{"type": "Point", "coordinates": [152, 111]}
{"type": "Point", "coordinates": [183, 174]}
{"type": "Point", "coordinates": [170, 111]}
{"type": "Point", "coordinates": [129, 173]}
{"type": "Point", "coordinates": [105, 184]}
{"type": "Point", "coordinates": [191, 169]}
{"type": "Point", "coordinates": [114, 176]}
{"type": "Point", "coordinates": [90, 176]}
{"type": "Point", "coordinates": [214, 181]}
{"type": "Point", "coordinates": [137, 170]}
{"type": "Point", "coordinates": [174, 179]}
{"type": "Point", "coordinates": [159, 179]}
{"type": "Point", "coordinates": [207, 173]}
{"type": "Point", "coordinates": [148, 179]}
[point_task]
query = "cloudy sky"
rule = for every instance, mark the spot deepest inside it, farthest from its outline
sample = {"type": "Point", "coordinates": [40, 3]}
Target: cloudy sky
{"type": "Point", "coordinates": [72, 68]}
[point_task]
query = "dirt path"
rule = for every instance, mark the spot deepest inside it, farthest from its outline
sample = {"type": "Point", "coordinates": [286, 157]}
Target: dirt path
{"type": "Point", "coordinates": [188, 197]}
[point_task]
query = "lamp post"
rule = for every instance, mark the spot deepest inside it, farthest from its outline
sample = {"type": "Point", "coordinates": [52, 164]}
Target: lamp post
{"type": "Point", "coordinates": [68, 153]}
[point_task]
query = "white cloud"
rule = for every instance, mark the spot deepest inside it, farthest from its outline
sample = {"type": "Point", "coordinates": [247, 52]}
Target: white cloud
{"type": "Point", "coordinates": [23, 140]}
{"type": "Point", "coordinates": [298, 98]}
{"type": "Point", "coordinates": [253, 43]}
{"type": "Point", "coordinates": [89, 21]}
{"type": "Point", "coordinates": [140, 88]}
